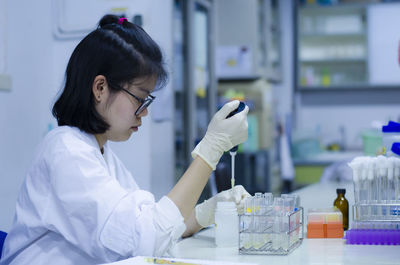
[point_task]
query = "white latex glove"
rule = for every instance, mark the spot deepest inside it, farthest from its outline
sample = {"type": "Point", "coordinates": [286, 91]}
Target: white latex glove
{"type": "Point", "coordinates": [205, 212]}
{"type": "Point", "coordinates": [222, 134]}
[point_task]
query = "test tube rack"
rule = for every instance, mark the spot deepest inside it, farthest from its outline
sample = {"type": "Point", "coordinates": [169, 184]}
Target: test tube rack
{"type": "Point", "coordinates": [377, 213]}
{"type": "Point", "coordinates": [270, 233]}
{"type": "Point", "coordinates": [375, 224]}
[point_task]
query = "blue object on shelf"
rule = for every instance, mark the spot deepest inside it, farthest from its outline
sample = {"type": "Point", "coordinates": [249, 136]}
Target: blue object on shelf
{"type": "Point", "coordinates": [391, 127]}
{"type": "Point", "coordinates": [396, 148]}
{"type": "Point", "coordinates": [2, 239]}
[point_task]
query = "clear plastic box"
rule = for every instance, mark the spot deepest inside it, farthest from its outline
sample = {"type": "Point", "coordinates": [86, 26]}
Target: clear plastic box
{"type": "Point", "coordinates": [324, 223]}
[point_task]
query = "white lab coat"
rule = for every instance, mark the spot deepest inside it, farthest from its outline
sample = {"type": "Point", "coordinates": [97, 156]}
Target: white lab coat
{"type": "Point", "coordinates": [78, 206]}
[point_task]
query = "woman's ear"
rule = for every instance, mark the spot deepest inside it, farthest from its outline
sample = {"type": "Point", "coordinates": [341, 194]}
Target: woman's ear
{"type": "Point", "coordinates": [99, 88]}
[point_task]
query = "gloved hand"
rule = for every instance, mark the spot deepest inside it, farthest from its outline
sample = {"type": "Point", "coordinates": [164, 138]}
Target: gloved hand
{"type": "Point", "coordinates": [205, 212]}
{"type": "Point", "coordinates": [222, 134]}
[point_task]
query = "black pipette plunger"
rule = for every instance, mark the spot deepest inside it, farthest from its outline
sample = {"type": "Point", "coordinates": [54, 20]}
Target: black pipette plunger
{"type": "Point", "coordinates": [232, 152]}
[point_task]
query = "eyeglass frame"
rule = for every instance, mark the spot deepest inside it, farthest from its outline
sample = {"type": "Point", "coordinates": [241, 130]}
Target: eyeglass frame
{"type": "Point", "coordinates": [144, 103]}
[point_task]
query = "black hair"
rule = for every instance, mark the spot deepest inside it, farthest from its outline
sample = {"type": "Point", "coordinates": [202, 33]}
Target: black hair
{"type": "Point", "coordinates": [120, 52]}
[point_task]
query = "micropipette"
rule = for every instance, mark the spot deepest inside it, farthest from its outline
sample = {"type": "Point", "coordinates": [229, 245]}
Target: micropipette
{"type": "Point", "coordinates": [233, 154]}
{"type": "Point", "coordinates": [233, 151]}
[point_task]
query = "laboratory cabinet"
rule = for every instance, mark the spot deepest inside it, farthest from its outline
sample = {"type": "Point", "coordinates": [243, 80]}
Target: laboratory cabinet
{"type": "Point", "coordinates": [332, 45]}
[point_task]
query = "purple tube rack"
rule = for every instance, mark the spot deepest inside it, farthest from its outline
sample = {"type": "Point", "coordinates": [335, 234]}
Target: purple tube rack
{"type": "Point", "coordinates": [372, 237]}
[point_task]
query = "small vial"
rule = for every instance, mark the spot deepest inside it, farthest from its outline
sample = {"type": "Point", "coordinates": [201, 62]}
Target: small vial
{"type": "Point", "coordinates": [296, 198]}
{"type": "Point", "coordinates": [258, 220]}
{"type": "Point", "coordinates": [289, 203]}
{"type": "Point", "coordinates": [268, 201]}
{"type": "Point", "coordinates": [258, 200]}
{"type": "Point", "coordinates": [343, 205]}
{"type": "Point", "coordinates": [268, 220]}
{"type": "Point", "coordinates": [246, 224]}
{"type": "Point", "coordinates": [269, 198]}
{"type": "Point", "coordinates": [278, 223]}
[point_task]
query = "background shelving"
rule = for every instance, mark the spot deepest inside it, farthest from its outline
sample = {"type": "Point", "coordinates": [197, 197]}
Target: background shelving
{"type": "Point", "coordinates": [332, 46]}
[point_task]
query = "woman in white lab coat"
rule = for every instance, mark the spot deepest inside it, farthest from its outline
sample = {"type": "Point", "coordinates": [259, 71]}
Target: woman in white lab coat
{"type": "Point", "coordinates": [79, 204]}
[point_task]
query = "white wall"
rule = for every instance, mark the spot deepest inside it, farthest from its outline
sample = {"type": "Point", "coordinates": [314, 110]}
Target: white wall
{"type": "Point", "coordinates": [36, 62]}
{"type": "Point", "coordinates": [383, 43]}
{"type": "Point", "coordinates": [23, 118]}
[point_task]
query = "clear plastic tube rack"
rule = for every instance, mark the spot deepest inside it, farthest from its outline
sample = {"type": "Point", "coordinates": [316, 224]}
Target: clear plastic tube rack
{"type": "Point", "coordinates": [271, 227]}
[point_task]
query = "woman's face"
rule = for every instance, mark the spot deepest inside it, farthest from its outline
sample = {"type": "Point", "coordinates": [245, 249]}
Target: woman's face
{"type": "Point", "coordinates": [118, 109]}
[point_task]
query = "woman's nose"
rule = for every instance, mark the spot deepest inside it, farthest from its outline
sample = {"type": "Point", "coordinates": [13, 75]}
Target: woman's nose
{"type": "Point", "coordinates": [143, 113]}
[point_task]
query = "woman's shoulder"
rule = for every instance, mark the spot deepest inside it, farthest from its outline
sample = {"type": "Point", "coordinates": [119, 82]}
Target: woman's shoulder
{"type": "Point", "coordinates": [69, 138]}
{"type": "Point", "coordinates": [61, 133]}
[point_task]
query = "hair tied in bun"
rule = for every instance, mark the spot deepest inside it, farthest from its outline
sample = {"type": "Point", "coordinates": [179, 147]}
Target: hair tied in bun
{"type": "Point", "coordinates": [121, 20]}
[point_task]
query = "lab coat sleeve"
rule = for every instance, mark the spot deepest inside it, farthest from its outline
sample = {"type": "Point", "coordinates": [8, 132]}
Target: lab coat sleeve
{"type": "Point", "coordinates": [158, 226]}
{"type": "Point", "coordinates": [92, 211]}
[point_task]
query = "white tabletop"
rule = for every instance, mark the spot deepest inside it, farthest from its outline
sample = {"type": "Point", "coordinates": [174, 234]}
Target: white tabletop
{"type": "Point", "coordinates": [311, 251]}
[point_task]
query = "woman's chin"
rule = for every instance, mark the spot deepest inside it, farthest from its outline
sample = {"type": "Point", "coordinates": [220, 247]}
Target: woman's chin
{"type": "Point", "coordinates": [122, 137]}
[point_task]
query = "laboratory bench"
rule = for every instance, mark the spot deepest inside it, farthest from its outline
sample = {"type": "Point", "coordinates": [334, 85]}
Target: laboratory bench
{"type": "Point", "coordinates": [311, 251]}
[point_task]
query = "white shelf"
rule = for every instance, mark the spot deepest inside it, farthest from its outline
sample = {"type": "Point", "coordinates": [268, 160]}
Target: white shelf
{"type": "Point", "coordinates": [239, 78]}
{"type": "Point", "coordinates": [322, 35]}
{"type": "Point", "coordinates": [334, 60]}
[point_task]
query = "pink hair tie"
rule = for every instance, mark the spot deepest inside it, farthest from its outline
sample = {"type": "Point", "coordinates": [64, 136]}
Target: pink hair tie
{"type": "Point", "coordinates": [121, 20]}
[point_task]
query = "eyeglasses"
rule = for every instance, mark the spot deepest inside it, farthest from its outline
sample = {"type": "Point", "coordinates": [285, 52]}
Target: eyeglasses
{"type": "Point", "coordinates": [144, 103]}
